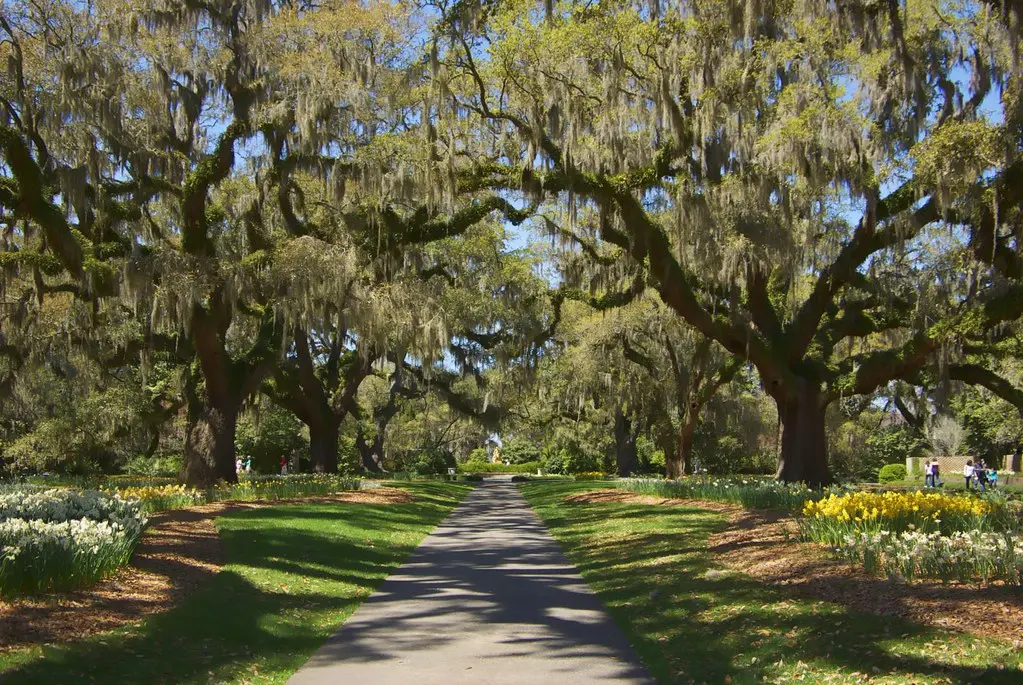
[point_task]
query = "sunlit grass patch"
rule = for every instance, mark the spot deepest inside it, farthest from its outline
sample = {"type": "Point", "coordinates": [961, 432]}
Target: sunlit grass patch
{"type": "Point", "coordinates": [693, 622]}
{"type": "Point", "coordinates": [295, 573]}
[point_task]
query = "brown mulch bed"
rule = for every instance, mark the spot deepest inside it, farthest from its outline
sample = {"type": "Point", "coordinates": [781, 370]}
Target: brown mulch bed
{"type": "Point", "coordinates": [179, 552]}
{"type": "Point", "coordinates": [764, 545]}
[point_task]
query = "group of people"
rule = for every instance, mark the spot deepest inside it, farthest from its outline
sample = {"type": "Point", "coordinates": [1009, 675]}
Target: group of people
{"type": "Point", "coordinates": [932, 474]}
{"type": "Point", "coordinates": [243, 465]}
{"type": "Point", "coordinates": [974, 473]}
{"type": "Point", "coordinates": [980, 474]}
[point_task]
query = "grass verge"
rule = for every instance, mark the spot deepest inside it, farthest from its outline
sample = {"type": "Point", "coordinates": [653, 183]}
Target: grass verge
{"type": "Point", "coordinates": [694, 623]}
{"type": "Point", "coordinates": [295, 573]}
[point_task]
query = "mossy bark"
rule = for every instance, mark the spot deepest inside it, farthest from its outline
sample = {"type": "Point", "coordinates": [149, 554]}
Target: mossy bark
{"type": "Point", "coordinates": [323, 444]}
{"type": "Point", "coordinates": [209, 446]}
{"type": "Point", "coordinates": [685, 443]}
{"type": "Point", "coordinates": [804, 445]}
{"type": "Point", "coordinates": [626, 458]}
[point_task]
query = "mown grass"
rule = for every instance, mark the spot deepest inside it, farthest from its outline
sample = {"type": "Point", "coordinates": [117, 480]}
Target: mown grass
{"type": "Point", "coordinates": [295, 573]}
{"type": "Point", "coordinates": [692, 622]}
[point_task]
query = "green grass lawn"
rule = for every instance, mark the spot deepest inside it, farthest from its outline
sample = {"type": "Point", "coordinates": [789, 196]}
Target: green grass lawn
{"type": "Point", "coordinates": [650, 566]}
{"type": "Point", "coordinates": [295, 573]}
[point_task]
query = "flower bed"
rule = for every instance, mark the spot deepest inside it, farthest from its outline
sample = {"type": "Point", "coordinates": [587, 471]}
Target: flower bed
{"type": "Point", "coordinates": [61, 539]}
{"type": "Point", "coordinates": [831, 519]}
{"type": "Point", "coordinates": [963, 556]}
{"type": "Point", "coordinates": [283, 487]}
{"type": "Point", "coordinates": [921, 534]}
{"type": "Point", "coordinates": [156, 498]}
{"type": "Point", "coordinates": [754, 493]}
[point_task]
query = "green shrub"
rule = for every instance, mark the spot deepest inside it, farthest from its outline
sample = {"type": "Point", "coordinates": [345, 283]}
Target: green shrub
{"type": "Point", "coordinates": [432, 462]}
{"type": "Point", "coordinates": [891, 446]}
{"type": "Point", "coordinates": [487, 467]}
{"type": "Point", "coordinates": [520, 451]}
{"type": "Point", "coordinates": [267, 436]}
{"type": "Point", "coordinates": [890, 473]}
{"type": "Point", "coordinates": [568, 460]}
{"type": "Point", "coordinates": [157, 465]}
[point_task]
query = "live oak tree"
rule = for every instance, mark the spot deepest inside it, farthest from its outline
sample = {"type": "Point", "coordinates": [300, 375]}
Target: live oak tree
{"type": "Point", "coordinates": [829, 190]}
{"type": "Point", "coordinates": [106, 140]}
{"type": "Point", "coordinates": [667, 348]}
{"type": "Point", "coordinates": [158, 151]}
{"type": "Point", "coordinates": [774, 166]}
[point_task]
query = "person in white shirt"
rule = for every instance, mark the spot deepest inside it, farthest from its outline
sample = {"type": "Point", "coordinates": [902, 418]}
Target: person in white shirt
{"type": "Point", "coordinates": [929, 475]}
{"type": "Point", "coordinates": [968, 473]}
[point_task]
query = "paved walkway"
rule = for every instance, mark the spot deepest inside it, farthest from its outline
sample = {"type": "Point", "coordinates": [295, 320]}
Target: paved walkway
{"type": "Point", "coordinates": [487, 598]}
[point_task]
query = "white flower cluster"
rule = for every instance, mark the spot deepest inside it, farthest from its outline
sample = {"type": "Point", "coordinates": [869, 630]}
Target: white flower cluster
{"type": "Point", "coordinates": [62, 538]}
{"type": "Point", "coordinates": [963, 556]}
{"type": "Point", "coordinates": [66, 505]}
{"type": "Point", "coordinates": [20, 535]}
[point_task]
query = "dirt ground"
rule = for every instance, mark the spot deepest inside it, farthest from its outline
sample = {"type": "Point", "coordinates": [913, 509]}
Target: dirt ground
{"type": "Point", "coordinates": [765, 545]}
{"type": "Point", "coordinates": [179, 552]}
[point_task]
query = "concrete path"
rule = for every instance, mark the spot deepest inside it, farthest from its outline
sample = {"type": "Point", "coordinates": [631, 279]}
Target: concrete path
{"type": "Point", "coordinates": [487, 598]}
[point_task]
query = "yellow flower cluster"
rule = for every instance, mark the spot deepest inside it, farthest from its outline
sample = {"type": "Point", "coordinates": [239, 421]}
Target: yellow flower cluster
{"type": "Point", "coordinates": [156, 492]}
{"type": "Point", "coordinates": [871, 506]}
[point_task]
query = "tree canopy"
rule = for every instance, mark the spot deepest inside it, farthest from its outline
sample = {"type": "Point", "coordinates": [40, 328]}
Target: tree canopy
{"type": "Point", "coordinates": [208, 202]}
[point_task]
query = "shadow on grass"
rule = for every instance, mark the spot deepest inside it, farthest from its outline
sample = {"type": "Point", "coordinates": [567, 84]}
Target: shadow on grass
{"type": "Point", "coordinates": [295, 573]}
{"type": "Point", "coordinates": [691, 621]}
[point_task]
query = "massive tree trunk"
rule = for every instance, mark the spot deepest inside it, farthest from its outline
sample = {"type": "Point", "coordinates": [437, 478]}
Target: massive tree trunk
{"type": "Point", "coordinates": [668, 444]}
{"type": "Point", "coordinates": [209, 445]}
{"type": "Point", "coordinates": [804, 445]}
{"type": "Point", "coordinates": [672, 463]}
{"type": "Point", "coordinates": [323, 444]}
{"type": "Point", "coordinates": [685, 443]}
{"type": "Point", "coordinates": [371, 454]}
{"type": "Point", "coordinates": [626, 459]}
{"type": "Point", "coordinates": [213, 406]}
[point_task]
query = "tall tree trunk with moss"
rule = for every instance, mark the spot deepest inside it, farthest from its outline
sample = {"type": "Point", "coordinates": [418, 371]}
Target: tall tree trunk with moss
{"type": "Point", "coordinates": [626, 457]}
{"type": "Point", "coordinates": [209, 436]}
{"type": "Point", "coordinates": [804, 448]}
{"type": "Point", "coordinates": [323, 444]}
{"type": "Point", "coordinates": [685, 443]}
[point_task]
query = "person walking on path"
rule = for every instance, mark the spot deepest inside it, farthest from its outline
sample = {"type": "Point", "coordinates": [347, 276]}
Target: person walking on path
{"type": "Point", "coordinates": [968, 473]}
{"type": "Point", "coordinates": [929, 474]}
{"type": "Point", "coordinates": [936, 473]}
